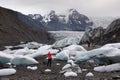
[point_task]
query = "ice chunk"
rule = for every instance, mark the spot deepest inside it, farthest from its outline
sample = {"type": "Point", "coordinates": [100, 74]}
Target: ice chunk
{"type": "Point", "coordinates": [7, 71]}
{"type": "Point", "coordinates": [99, 53]}
{"type": "Point", "coordinates": [63, 55]}
{"type": "Point", "coordinates": [66, 66]}
{"type": "Point", "coordinates": [66, 42]}
{"type": "Point", "coordinates": [9, 51]}
{"type": "Point", "coordinates": [71, 62]}
{"type": "Point", "coordinates": [32, 68]}
{"type": "Point", "coordinates": [57, 64]}
{"type": "Point", "coordinates": [114, 45]}
{"type": "Point", "coordinates": [22, 51]}
{"type": "Point", "coordinates": [5, 58]}
{"type": "Point", "coordinates": [90, 74]}
{"type": "Point", "coordinates": [75, 48]}
{"type": "Point", "coordinates": [47, 70]}
{"type": "Point", "coordinates": [84, 69]}
{"type": "Point", "coordinates": [23, 60]}
{"type": "Point", "coordinates": [108, 68]}
{"type": "Point", "coordinates": [30, 45]}
{"type": "Point", "coordinates": [41, 51]}
{"type": "Point", "coordinates": [68, 74]}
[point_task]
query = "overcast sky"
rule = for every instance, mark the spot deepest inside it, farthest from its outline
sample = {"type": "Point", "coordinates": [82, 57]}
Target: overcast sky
{"type": "Point", "coordinates": [87, 7]}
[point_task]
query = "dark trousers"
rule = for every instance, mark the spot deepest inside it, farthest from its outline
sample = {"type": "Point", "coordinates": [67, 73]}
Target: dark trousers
{"type": "Point", "coordinates": [49, 62]}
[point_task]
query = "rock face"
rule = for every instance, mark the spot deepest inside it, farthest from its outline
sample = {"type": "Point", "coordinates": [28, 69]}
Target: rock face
{"type": "Point", "coordinates": [93, 37]}
{"type": "Point", "coordinates": [112, 33]}
{"type": "Point", "coordinates": [97, 35]}
{"type": "Point", "coordinates": [13, 30]}
{"type": "Point", "coordinates": [71, 20]}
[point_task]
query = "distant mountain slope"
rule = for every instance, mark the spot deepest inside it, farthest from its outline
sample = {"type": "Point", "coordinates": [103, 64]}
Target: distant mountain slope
{"type": "Point", "coordinates": [13, 30]}
{"type": "Point", "coordinates": [71, 20]}
{"type": "Point", "coordinates": [30, 21]}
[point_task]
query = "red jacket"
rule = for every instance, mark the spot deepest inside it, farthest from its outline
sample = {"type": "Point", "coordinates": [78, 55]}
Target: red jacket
{"type": "Point", "coordinates": [49, 55]}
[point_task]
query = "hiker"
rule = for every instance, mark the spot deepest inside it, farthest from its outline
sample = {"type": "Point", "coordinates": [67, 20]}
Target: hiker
{"type": "Point", "coordinates": [1, 65]}
{"type": "Point", "coordinates": [88, 42]}
{"type": "Point", "coordinates": [49, 57]}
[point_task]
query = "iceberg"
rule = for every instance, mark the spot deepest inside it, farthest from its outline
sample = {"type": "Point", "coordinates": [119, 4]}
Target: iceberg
{"type": "Point", "coordinates": [66, 66]}
{"type": "Point", "coordinates": [9, 51]}
{"type": "Point", "coordinates": [41, 51]}
{"type": "Point", "coordinates": [7, 71]}
{"type": "Point", "coordinates": [103, 52]}
{"type": "Point", "coordinates": [71, 73]}
{"type": "Point", "coordinates": [66, 41]}
{"type": "Point", "coordinates": [71, 66]}
{"type": "Point", "coordinates": [108, 68]}
{"type": "Point", "coordinates": [30, 45]}
{"type": "Point", "coordinates": [75, 48]}
{"type": "Point", "coordinates": [63, 55]}
{"type": "Point", "coordinates": [23, 60]}
{"type": "Point", "coordinates": [47, 70]}
{"type": "Point", "coordinates": [22, 51]}
{"type": "Point", "coordinates": [114, 45]}
{"type": "Point", "coordinates": [32, 68]}
{"type": "Point", "coordinates": [90, 74]}
{"type": "Point", "coordinates": [5, 58]}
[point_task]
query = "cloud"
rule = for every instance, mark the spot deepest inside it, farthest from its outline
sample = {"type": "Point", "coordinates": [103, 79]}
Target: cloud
{"type": "Point", "coordinates": [87, 7]}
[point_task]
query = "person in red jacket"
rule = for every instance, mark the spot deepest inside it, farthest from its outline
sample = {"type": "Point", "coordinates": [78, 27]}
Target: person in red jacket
{"type": "Point", "coordinates": [49, 56]}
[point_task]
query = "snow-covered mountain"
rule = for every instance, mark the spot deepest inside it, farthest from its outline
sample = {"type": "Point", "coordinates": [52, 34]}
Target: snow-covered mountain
{"type": "Point", "coordinates": [70, 20]}
{"type": "Point", "coordinates": [36, 16]}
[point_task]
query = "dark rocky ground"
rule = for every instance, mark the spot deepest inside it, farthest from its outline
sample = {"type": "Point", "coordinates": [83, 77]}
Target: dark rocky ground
{"type": "Point", "coordinates": [24, 74]}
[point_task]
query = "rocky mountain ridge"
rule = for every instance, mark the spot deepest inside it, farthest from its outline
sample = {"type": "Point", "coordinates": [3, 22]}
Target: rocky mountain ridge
{"type": "Point", "coordinates": [13, 30]}
{"type": "Point", "coordinates": [101, 36]}
{"type": "Point", "coordinates": [71, 20]}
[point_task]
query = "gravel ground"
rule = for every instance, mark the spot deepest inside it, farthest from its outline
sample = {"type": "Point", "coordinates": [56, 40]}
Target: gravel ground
{"type": "Point", "coordinates": [24, 74]}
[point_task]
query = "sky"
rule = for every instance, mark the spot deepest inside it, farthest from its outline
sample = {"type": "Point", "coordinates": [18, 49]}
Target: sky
{"type": "Point", "coordinates": [86, 7]}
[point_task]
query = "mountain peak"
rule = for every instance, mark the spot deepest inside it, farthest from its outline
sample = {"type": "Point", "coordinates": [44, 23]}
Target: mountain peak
{"type": "Point", "coordinates": [52, 12]}
{"type": "Point", "coordinates": [70, 20]}
{"type": "Point", "coordinates": [72, 10]}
